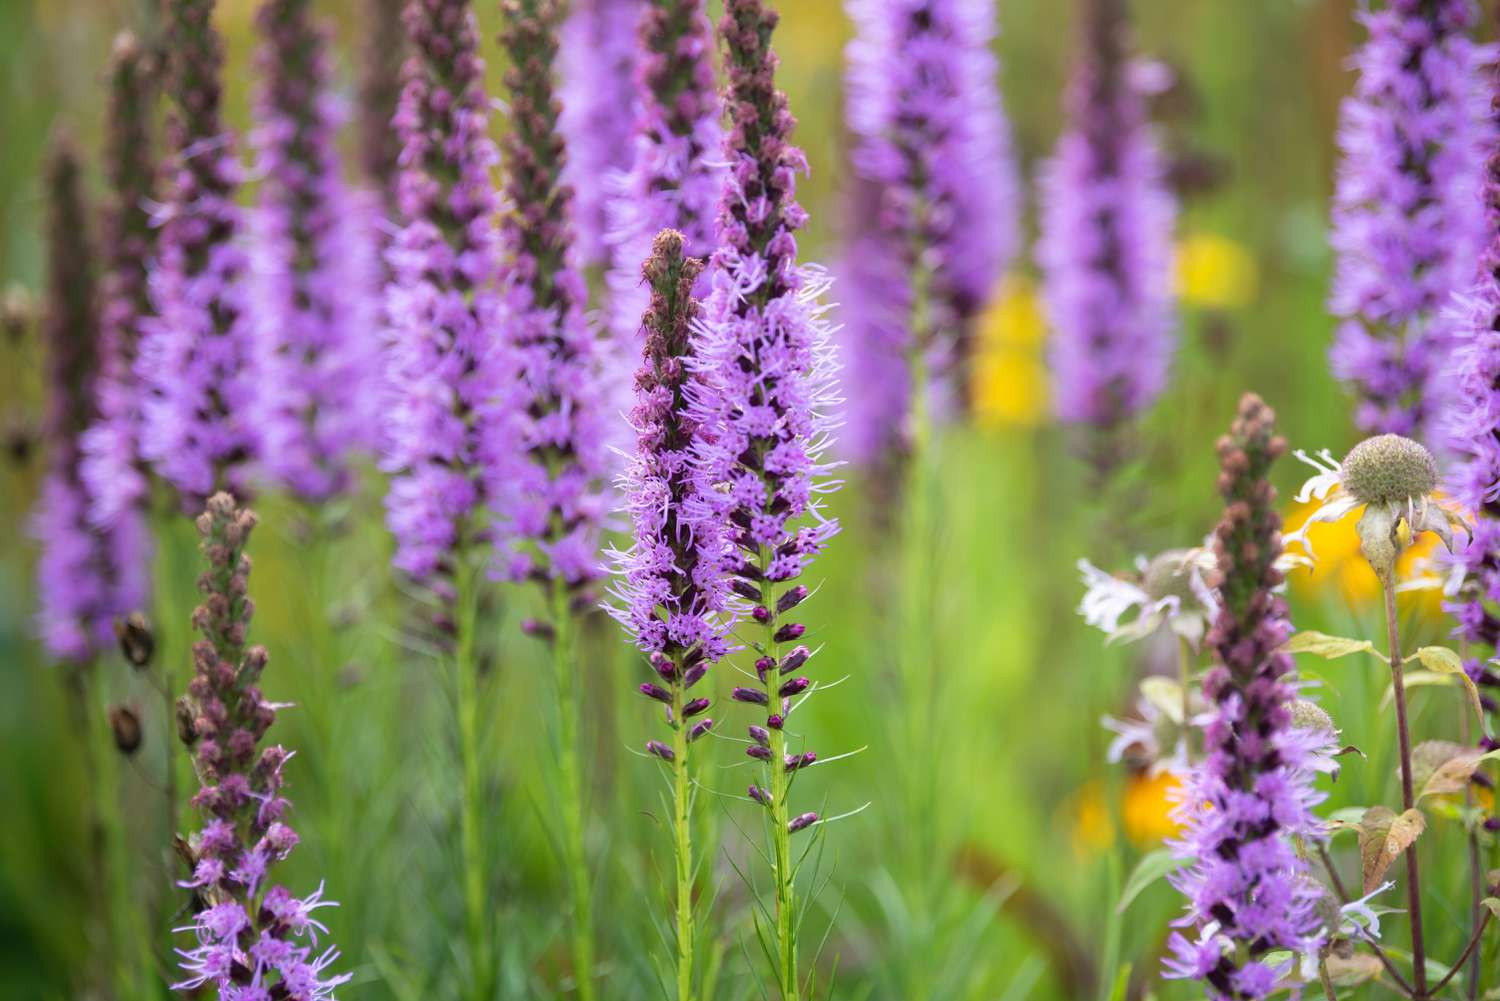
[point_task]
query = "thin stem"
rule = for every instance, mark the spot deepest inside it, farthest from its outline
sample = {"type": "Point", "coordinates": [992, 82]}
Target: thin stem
{"type": "Point", "coordinates": [1185, 680]}
{"type": "Point", "coordinates": [1468, 951]}
{"type": "Point", "coordinates": [1344, 898]}
{"type": "Point", "coordinates": [781, 839]}
{"type": "Point", "coordinates": [1325, 979]}
{"type": "Point", "coordinates": [1476, 864]}
{"type": "Point", "coordinates": [565, 669]}
{"type": "Point", "coordinates": [682, 782]}
{"type": "Point", "coordinates": [1408, 792]}
{"type": "Point", "coordinates": [472, 803]}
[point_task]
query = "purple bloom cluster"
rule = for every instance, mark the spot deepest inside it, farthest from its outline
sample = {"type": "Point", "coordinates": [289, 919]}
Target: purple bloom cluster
{"type": "Point", "coordinates": [934, 160]}
{"type": "Point", "coordinates": [85, 577]}
{"type": "Point", "coordinates": [1247, 889]}
{"type": "Point", "coordinates": [254, 940]}
{"type": "Point", "coordinates": [549, 485]}
{"type": "Point", "coordinates": [674, 580]}
{"type": "Point", "coordinates": [597, 58]}
{"type": "Point", "coordinates": [1106, 240]}
{"type": "Point", "coordinates": [676, 174]}
{"type": "Point", "coordinates": [196, 358]}
{"type": "Point", "coordinates": [767, 347]}
{"type": "Point", "coordinates": [1473, 420]}
{"type": "Point", "coordinates": [112, 467]}
{"type": "Point", "coordinates": [315, 277]}
{"type": "Point", "coordinates": [444, 367]}
{"type": "Point", "coordinates": [1414, 136]}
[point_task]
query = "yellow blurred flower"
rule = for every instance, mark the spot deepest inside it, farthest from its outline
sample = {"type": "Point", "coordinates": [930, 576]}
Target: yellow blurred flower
{"type": "Point", "coordinates": [1010, 376]}
{"type": "Point", "coordinates": [1342, 571]}
{"type": "Point", "coordinates": [1147, 808]}
{"type": "Point", "coordinates": [1087, 818]}
{"type": "Point", "coordinates": [1215, 272]}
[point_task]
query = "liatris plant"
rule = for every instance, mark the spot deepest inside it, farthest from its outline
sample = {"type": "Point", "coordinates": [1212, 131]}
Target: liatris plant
{"type": "Point", "coordinates": [1106, 234]}
{"type": "Point", "coordinates": [673, 583]}
{"type": "Point", "coordinates": [550, 492]}
{"type": "Point", "coordinates": [314, 276]}
{"type": "Point", "coordinates": [597, 63]}
{"type": "Point", "coordinates": [1252, 793]}
{"type": "Point", "coordinates": [1407, 229]}
{"type": "Point", "coordinates": [933, 145]}
{"type": "Point", "coordinates": [85, 577]}
{"type": "Point", "coordinates": [383, 54]}
{"type": "Point", "coordinates": [675, 175]}
{"type": "Point", "coordinates": [766, 346]}
{"type": "Point", "coordinates": [445, 376]}
{"type": "Point", "coordinates": [253, 937]}
{"type": "Point", "coordinates": [112, 467]}
{"type": "Point", "coordinates": [196, 351]}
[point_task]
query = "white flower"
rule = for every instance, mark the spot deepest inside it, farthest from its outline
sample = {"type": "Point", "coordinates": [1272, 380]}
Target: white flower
{"type": "Point", "coordinates": [1172, 589]}
{"type": "Point", "coordinates": [1392, 478]}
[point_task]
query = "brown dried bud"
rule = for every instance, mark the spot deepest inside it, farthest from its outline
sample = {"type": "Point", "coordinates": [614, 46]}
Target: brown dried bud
{"type": "Point", "coordinates": [186, 731]}
{"type": "Point", "coordinates": [137, 642]}
{"type": "Point", "coordinates": [126, 726]}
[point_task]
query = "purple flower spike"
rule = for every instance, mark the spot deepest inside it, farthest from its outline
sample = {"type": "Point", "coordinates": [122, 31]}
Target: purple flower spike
{"type": "Point", "coordinates": [938, 204]}
{"type": "Point", "coordinates": [257, 938]}
{"type": "Point", "coordinates": [1473, 419]}
{"type": "Point", "coordinates": [443, 370]}
{"type": "Point", "coordinates": [676, 170]}
{"type": "Point", "coordinates": [1106, 239]}
{"type": "Point", "coordinates": [1414, 136]}
{"type": "Point", "coordinates": [196, 358]}
{"type": "Point", "coordinates": [597, 59]}
{"type": "Point", "coordinates": [111, 466]}
{"type": "Point", "coordinates": [553, 453]}
{"type": "Point", "coordinates": [85, 576]}
{"type": "Point", "coordinates": [1247, 889]}
{"type": "Point", "coordinates": [315, 277]}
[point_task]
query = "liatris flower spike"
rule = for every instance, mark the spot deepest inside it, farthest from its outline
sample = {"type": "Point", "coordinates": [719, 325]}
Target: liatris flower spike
{"type": "Point", "coordinates": [1105, 243]}
{"type": "Point", "coordinates": [1393, 479]}
{"type": "Point", "coordinates": [677, 170]}
{"type": "Point", "coordinates": [315, 278]}
{"type": "Point", "coordinates": [933, 149]}
{"type": "Point", "coordinates": [444, 369]}
{"type": "Point", "coordinates": [1406, 230]}
{"type": "Point", "coordinates": [117, 475]}
{"type": "Point", "coordinates": [253, 937]}
{"type": "Point", "coordinates": [766, 350]}
{"type": "Point", "coordinates": [597, 55]}
{"type": "Point", "coordinates": [673, 582]}
{"type": "Point", "coordinates": [1248, 895]}
{"type": "Point", "coordinates": [85, 577]}
{"type": "Point", "coordinates": [197, 352]}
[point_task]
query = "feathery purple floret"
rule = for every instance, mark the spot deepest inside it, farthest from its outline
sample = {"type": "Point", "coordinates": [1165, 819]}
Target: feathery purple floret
{"type": "Point", "coordinates": [676, 172]}
{"type": "Point", "coordinates": [1472, 427]}
{"type": "Point", "coordinates": [253, 938]}
{"type": "Point", "coordinates": [1247, 891]}
{"type": "Point", "coordinates": [933, 158]}
{"type": "Point", "coordinates": [766, 350]}
{"type": "Point", "coordinates": [112, 467]}
{"type": "Point", "coordinates": [315, 276]}
{"type": "Point", "coordinates": [196, 359]}
{"type": "Point", "coordinates": [554, 452]}
{"type": "Point", "coordinates": [1105, 247]}
{"type": "Point", "coordinates": [444, 368]}
{"type": "Point", "coordinates": [85, 576]}
{"type": "Point", "coordinates": [597, 63]}
{"type": "Point", "coordinates": [1414, 136]}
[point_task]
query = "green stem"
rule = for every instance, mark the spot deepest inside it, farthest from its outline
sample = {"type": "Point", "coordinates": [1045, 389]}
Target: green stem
{"type": "Point", "coordinates": [682, 831]}
{"type": "Point", "coordinates": [781, 838]}
{"type": "Point", "coordinates": [565, 668]}
{"type": "Point", "coordinates": [1408, 793]}
{"type": "Point", "coordinates": [471, 804]}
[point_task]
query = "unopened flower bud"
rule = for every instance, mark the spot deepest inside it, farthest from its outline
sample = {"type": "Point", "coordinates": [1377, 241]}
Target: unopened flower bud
{"type": "Point", "coordinates": [137, 643]}
{"type": "Point", "coordinates": [126, 727]}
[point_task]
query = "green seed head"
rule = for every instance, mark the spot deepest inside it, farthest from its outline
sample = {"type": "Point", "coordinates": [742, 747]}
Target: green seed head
{"type": "Point", "coordinates": [1310, 716]}
{"type": "Point", "coordinates": [1389, 469]}
{"type": "Point", "coordinates": [1169, 575]}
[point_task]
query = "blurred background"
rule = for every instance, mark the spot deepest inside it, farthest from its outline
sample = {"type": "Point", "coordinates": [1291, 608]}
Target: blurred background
{"type": "Point", "coordinates": [1037, 832]}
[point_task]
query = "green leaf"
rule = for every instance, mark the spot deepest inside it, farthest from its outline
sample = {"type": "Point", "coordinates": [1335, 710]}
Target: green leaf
{"type": "Point", "coordinates": [1383, 836]}
{"type": "Point", "coordinates": [1151, 867]}
{"type": "Point", "coordinates": [1441, 660]}
{"type": "Point", "coordinates": [1452, 776]}
{"type": "Point", "coordinates": [1353, 970]}
{"type": "Point", "coordinates": [1330, 647]}
{"type": "Point", "coordinates": [1165, 694]}
{"type": "Point", "coordinates": [1493, 903]}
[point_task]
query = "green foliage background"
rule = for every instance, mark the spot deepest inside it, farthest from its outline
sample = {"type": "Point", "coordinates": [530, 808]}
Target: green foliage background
{"type": "Point", "coordinates": [1017, 910]}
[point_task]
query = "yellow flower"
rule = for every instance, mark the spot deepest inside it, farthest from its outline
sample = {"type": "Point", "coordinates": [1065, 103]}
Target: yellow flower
{"type": "Point", "coordinates": [1214, 272]}
{"type": "Point", "coordinates": [1087, 817]}
{"type": "Point", "coordinates": [1010, 377]}
{"type": "Point", "coordinates": [1147, 808]}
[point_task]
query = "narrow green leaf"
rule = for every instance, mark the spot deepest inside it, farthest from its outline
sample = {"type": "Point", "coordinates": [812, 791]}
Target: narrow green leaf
{"type": "Point", "coordinates": [1149, 869]}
